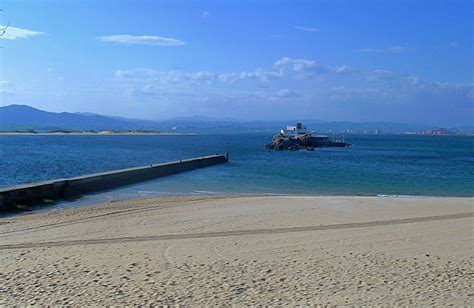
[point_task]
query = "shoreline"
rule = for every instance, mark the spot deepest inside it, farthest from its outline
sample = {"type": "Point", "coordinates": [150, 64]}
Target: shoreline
{"type": "Point", "coordinates": [253, 195]}
{"type": "Point", "coordinates": [103, 199]}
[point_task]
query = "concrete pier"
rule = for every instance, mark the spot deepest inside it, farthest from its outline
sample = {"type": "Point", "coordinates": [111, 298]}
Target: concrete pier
{"type": "Point", "coordinates": [39, 193]}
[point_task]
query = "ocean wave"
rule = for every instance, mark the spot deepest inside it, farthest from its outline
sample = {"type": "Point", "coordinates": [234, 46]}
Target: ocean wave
{"type": "Point", "coordinates": [404, 196]}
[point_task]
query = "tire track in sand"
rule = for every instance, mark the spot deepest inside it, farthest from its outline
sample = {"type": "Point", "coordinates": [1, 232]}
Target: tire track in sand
{"type": "Point", "coordinates": [134, 210]}
{"type": "Point", "coordinates": [216, 234]}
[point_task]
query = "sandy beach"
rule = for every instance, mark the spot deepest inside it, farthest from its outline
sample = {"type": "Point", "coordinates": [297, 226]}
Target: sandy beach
{"type": "Point", "coordinates": [242, 251]}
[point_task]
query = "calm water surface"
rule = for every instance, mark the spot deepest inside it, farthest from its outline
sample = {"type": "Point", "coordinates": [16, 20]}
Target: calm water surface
{"type": "Point", "coordinates": [374, 165]}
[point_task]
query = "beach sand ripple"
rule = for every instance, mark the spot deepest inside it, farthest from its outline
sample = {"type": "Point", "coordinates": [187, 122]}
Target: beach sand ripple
{"type": "Point", "coordinates": [425, 262]}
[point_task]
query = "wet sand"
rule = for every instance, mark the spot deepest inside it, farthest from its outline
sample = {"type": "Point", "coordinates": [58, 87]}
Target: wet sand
{"type": "Point", "coordinates": [243, 251]}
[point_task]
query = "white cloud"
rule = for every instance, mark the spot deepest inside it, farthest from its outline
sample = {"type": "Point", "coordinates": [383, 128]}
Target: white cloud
{"type": "Point", "coordinates": [195, 77]}
{"type": "Point", "coordinates": [5, 87]}
{"type": "Point", "coordinates": [283, 68]}
{"type": "Point", "coordinates": [297, 65]}
{"type": "Point", "coordinates": [205, 14]}
{"type": "Point", "coordinates": [307, 29]}
{"type": "Point", "coordinates": [357, 92]}
{"type": "Point", "coordinates": [342, 69]}
{"type": "Point", "coordinates": [142, 40]}
{"type": "Point", "coordinates": [393, 49]}
{"type": "Point", "coordinates": [301, 81]}
{"type": "Point", "coordinates": [14, 33]}
{"type": "Point", "coordinates": [5, 92]}
{"type": "Point", "coordinates": [260, 74]}
{"type": "Point", "coordinates": [146, 90]}
{"type": "Point", "coordinates": [379, 75]}
{"type": "Point", "coordinates": [287, 93]}
{"type": "Point", "coordinates": [204, 76]}
{"type": "Point", "coordinates": [413, 80]}
{"type": "Point", "coordinates": [302, 68]}
{"type": "Point", "coordinates": [230, 78]}
{"type": "Point", "coordinates": [136, 73]}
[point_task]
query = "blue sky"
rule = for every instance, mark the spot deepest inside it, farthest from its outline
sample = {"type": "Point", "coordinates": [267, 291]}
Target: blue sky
{"type": "Point", "coordinates": [399, 61]}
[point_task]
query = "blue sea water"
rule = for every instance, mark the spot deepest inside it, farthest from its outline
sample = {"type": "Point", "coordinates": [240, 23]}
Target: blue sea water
{"type": "Point", "coordinates": [374, 165]}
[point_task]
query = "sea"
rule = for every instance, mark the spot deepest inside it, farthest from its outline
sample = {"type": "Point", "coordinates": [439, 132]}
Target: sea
{"type": "Point", "coordinates": [375, 165]}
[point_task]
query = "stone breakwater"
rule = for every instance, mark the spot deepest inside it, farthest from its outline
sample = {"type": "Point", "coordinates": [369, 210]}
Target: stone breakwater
{"type": "Point", "coordinates": [14, 198]}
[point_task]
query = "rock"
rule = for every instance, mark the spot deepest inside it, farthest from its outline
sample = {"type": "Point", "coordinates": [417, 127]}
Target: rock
{"type": "Point", "coordinates": [281, 142]}
{"type": "Point", "coordinates": [305, 142]}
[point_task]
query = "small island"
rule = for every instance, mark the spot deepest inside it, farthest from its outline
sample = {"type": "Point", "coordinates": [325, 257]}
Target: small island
{"type": "Point", "coordinates": [296, 137]}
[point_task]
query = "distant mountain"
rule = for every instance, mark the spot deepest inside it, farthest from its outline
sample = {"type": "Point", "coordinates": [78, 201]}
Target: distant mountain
{"type": "Point", "coordinates": [22, 116]}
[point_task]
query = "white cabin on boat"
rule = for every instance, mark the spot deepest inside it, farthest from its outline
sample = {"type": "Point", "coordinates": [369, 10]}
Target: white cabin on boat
{"type": "Point", "coordinates": [294, 131]}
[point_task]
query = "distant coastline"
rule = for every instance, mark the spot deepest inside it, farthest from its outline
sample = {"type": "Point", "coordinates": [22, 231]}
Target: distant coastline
{"type": "Point", "coordinates": [22, 118]}
{"type": "Point", "coordinates": [89, 133]}
{"type": "Point", "coordinates": [156, 133]}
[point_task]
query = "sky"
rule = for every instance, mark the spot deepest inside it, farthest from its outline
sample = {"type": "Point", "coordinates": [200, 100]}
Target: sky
{"type": "Point", "coordinates": [362, 61]}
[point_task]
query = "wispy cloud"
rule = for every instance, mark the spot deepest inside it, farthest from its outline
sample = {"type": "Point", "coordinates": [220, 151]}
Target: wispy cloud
{"type": "Point", "coordinates": [297, 65]}
{"type": "Point", "coordinates": [305, 67]}
{"type": "Point", "coordinates": [136, 73]}
{"type": "Point", "coordinates": [173, 77]}
{"type": "Point", "coordinates": [379, 75]}
{"type": "Point", "coordinates": [5, 87]}
{"type": "Point", "coordinates": [287, 93]}
{"type": "Point", "coordinates": [14, 33]}
{"type": "Point", "coordinates": [342, 69]}
{"type": "Point", "coordinates": [151, 40]}
{"type": "Point", "coordinates": [146, 90]}
{"type": "Point", "coordinates": [392, 49]}
{"type": "Point", "coordinates": [205, 14]}
{"type": "Point", "coordinates": [5, 92]}
{"type": "Point", "coordinates": [307, 29]}
{"type": "Point", "coordinates": [282, 68]}
{"type": "Point", "coordinates": [305, 84]}
{"type": "Point", "coordinates": [260, 74]}
{"type": "Point", "coordinates": [285, 71]}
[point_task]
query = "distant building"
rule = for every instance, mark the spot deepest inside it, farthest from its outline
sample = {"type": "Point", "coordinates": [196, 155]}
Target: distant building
{"type": "Point", "coordinates": [294, 131]}
{"type": "Point", "coordinates": [438, 131]}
